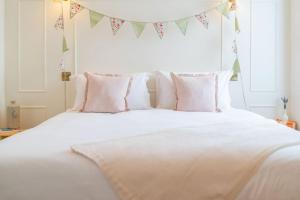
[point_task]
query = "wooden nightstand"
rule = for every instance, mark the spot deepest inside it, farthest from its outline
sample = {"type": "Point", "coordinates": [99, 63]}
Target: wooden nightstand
{"type": "Point", "coordinates": [289, 123]}
{"type": "Point", "coordinates": [8, 133]}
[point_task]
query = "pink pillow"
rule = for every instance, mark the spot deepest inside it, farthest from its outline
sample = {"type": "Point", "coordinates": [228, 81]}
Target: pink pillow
{"type": "Point", "coordinates": [195, 93]}
{"type": "Point", "coordinates": [106, 93]}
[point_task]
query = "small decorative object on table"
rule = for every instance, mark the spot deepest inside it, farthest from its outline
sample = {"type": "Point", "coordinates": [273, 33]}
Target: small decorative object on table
{"type": "Point", "coordinates": [7, 132]}
{"type": "Point", "coordinates": [289, 123]}
{"type": "Point", "coordinates": [285, 116]}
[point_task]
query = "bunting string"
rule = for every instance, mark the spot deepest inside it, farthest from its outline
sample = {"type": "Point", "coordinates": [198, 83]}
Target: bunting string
{"type": "Point", "coordinates": [225, 9]}
{"type": "Point", "coordinates": [160, 26]}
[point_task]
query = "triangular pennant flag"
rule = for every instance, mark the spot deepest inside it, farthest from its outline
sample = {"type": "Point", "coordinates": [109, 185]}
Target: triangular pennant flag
{"type": "Point", "coordinates": [224, 9]}
{"type": "Point", "coordinates": [116, 24]}
{"type": "Point", "coordinates": [65, 45]}
{"type": "Point", "coordinates": [160, 28]}
{"type": "Point", "coordinates": [203, 19]}
{"type": "Point", "coordinates": [236, 70]}
{"type": "Point", "coordinates": [59, 24]}
{"type": "Point", "coordinates": [234, 47]}
{"type": "Point", "coordinates": [138, 28]}
{"type": "Point", "coordinates": [182, 25]}
{"type": "Point", "coordinates": [61, 64]}
{"type": "Point", "coordinates": [75, 8]}
{"type": "Point", "coordinates": [237, 25]}
{"type": "Point", "coordinates": [95, 18]}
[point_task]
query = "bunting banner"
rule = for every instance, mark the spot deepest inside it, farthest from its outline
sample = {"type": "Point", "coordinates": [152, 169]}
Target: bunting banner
{"type": "Point", "coordinates": [225, 9]}
{"type": "Point", "coordinates": [203, 19]}
{"type": "Point", "coordinates": [116, 24]}
{"type": "Point", "coordinates": [75, 8]}
{"type": "Point", "coordinates": [95, 18]}
{"type": "Point", "coordinates": [59, 24]}
{"type": "Point", "coordinates": [138, 28]}
{"type": "Point", "coordinates": [160, 28]}
{"type": "Point", "coordinates": [182, 25]}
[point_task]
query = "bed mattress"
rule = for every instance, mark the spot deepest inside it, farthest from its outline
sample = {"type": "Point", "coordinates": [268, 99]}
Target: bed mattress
{"type": "Point", "coordinates": [39, 163]}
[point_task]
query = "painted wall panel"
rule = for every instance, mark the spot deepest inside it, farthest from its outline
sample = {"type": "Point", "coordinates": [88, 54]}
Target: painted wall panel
{"type": "Point", "coordinates": [31, 49]}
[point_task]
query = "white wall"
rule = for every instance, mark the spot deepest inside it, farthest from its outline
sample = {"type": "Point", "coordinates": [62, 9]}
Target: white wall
{"type": "Point", "coordinates": [2, 70]}
{"type": "Point", "coordinates": [295, 60]}
{"type": "Point", "coordinates": [263, 45]}
{"type": "Point", "coordinates": [34, 80]}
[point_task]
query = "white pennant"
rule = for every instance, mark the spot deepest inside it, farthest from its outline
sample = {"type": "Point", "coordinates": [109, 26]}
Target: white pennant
{"type": "Point", "coordinates": [203, 19]}
{"type": "Point", "coordinates": [160, 28]}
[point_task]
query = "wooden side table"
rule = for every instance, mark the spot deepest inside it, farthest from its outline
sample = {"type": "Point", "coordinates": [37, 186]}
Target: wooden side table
{"type": "Point", "coordinates": [289, 123]}
{"type": "Point", "coordinates": [8, 133]}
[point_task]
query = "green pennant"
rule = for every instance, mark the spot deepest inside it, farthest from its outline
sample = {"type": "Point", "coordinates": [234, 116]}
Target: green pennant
{"type": "Point", "coordinates": [138, 28]}
{"type": "Point", "coordinates": [224, 9]}
{"type": "Point", "coordinates": [236, 70]}
{"type": "Point", "coordinates": [65, 45]}
{"type": "Point", "coordinates": [182, 24]}
{"type": "Point", "coordinates": [95, 18]}
{"type": "Point", "coordinates": [237, 25]}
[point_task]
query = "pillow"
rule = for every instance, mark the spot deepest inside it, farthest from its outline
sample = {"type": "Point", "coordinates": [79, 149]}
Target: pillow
{"type": "Point", "coordinates": [138, 96]}
{"type": "Point", "coordinates": [195, 93]}
{"type": "Point", "coordinates": [106, 94]}
{"type": "Point", "coordinates": [79, 82]}
{"type": "Point", "coordinates": [166, 91]}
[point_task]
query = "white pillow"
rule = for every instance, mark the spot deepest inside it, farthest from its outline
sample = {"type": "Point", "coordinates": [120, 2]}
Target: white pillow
{"type": "Point", "coordinates": [79, 82]}
{"type": "Point", "coordinates": [138, 97]}
{"type": "Point", "coordinates": [166, 90]}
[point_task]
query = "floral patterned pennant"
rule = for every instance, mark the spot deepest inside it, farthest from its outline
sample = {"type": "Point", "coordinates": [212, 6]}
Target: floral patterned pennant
{"type": "Point", "coordinates": [59, 24]}
{"type": "Point", "coordinates": [75, 8]}
{"type": "Point", "coordinates": [203, 19]}
{"type": "Point", "coordinates": [116, 24]}
{"type": "Point", "coordinates": [160, 28]}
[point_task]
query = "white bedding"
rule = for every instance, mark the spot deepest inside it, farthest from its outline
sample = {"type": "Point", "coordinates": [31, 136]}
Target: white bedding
{"type": "Point", "coordinates": [39, 163]}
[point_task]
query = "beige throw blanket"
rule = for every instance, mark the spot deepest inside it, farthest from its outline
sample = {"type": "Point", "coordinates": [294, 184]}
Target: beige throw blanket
{"type": "Point", "coordinates": [210, 162]}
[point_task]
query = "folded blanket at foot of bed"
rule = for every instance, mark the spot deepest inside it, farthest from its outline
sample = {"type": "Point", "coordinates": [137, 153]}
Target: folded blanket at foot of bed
{"type": "Point", "coordinates": [208, 162]}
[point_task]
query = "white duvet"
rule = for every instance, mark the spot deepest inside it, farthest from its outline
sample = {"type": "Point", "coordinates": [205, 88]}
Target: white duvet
{"type": "Point", "coordinates": [39, 164]}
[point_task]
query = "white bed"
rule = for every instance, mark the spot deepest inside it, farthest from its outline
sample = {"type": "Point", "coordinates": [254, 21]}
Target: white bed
{"type": "Point", "coordinates": [39, 164]}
